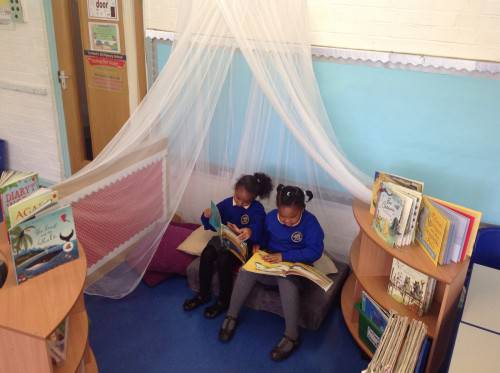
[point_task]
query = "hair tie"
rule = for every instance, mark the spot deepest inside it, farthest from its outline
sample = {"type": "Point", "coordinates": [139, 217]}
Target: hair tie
{"type": "Point", "coordinates": [288, 193]}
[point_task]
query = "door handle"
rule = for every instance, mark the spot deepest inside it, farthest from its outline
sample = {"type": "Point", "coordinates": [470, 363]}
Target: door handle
{"type": "Point", "coordinates": [62, 77]}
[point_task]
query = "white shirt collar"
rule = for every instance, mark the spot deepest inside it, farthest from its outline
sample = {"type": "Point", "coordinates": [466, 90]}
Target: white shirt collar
{"type": "Point", "coordinates": [245, 207]}
{"type": "Point", "coordinates": [278, 216]}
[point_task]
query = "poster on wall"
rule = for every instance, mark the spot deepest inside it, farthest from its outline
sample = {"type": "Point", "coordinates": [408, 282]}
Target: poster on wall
{"type": "Point", "coordinates": [106, 71]}
{"type": "Point", "coordinates": [104, 37]}
{"type": "Point", "coordinates": [103, 9]}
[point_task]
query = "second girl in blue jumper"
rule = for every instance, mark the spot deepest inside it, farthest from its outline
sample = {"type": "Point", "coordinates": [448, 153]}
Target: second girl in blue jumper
{"type": "Point", "coordinates": [244, 215]}
{"type": "Point", "coordinates": [291, 234]}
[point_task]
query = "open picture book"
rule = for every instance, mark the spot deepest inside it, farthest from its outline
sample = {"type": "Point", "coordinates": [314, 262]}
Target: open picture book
{"type": "Point", "coordinates": [228, 238]}
{"type": "Point", "coordinates": [257, 264]}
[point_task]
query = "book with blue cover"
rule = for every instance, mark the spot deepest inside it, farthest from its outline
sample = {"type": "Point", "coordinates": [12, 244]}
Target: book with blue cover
{"type": "Point", "coordinates": [373, 311]}
{"type": "Point", "coordinates": [44, 241]}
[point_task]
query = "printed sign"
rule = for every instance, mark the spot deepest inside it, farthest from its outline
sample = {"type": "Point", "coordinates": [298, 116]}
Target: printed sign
{"type": "Point", "coordinates": [103, 9]}
{"type": "Point", "coordinates": [104, 37]}
{"type": "Point", "coordinates": [106, 70]}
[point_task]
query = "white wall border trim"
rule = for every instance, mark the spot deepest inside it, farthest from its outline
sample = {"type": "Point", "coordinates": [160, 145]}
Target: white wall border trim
{"type": "Point", "coordinates": [391, 60]}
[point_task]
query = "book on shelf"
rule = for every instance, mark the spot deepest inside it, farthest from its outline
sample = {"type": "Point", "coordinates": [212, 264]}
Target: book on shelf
{"type": "Point", "coordinates": [396, 209]}
{"type": "Point", "coordinates": [257, 264]}
{"type": "Point", "coordinates": [26, 207]}
{"type": "Point", "coordinates": [474, 218]}
{"type": "Point", "coordinates": [14, 186]}
{"type": "Point", "coordinates": [381, 177]}
{"type": "Point", "coordinates": [411, 287]}
{"type": "Point", "coordinates": [229, 239]}
{"type": "Point", "coordinates": [373, 311]}
{"type": "Point", "coordinates": [447, 232]}
{"type": "Point", "coordinates": [401, 346]}
{"type": "Point", "coordinates": [57, 342]}
{"type": "Point", "coordinates": [44, 241]}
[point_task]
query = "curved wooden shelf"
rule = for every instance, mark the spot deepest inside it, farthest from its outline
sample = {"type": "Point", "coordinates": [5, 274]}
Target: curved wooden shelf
{"type": "Point", "coordinates": [411, 255]}
{"type": "Point", "coordinates": [371, 261]}
{"type": "Point", "coordinates": [347, 302]}
{"type": "Point", "coordinates": [376, 287]}
{"type": "Point", "coordinates": [36, 307]}
{"type": "Point", "coordinates": [77, 341]}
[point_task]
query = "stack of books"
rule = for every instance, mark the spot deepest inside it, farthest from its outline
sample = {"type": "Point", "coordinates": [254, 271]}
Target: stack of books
{"type": "Point", "coordinates": [395, 205]}
{"type": "Point", "coordinates": [402, 348]}
{"type": "Point", "coordinates": [411, 287]}
{"type": "Point", "coordinates": [446, 232]}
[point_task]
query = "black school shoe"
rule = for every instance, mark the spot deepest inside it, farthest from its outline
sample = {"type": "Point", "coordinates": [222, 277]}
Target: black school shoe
{"type": "Point", "coordinates": [215, 310]}
{"type": "Point", "coordinates": [226, 332]}
{"type": "Point", "coordinates": [285, 347]}
{"type": "Point", "coordinates": [192, 303]}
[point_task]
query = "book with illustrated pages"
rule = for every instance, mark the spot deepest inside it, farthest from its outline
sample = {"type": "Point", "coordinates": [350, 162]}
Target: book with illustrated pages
{"type": "Point", "coordinates": [410, 287]}
{"type": "Point", "coordinates": [257, 264]}
{"type": "Point", "coordinates": [373, 311]}
{"type": "Point", "coordinates": [474, 218]}
{"type": "Point", "coordinates": [26, 207]}
{"type": "Point", "coordinates": [381, 177]}
{"type": "Point", "coordinates": [43, 241]}
{"type": "Point", "coordinates": [432, 231]}
{"type": "Point", "coordinates": [14, 186]}
{"type": "Point", "coordinates": [228, 238]}
{"type": "Point", "coordinates": [388, 214]}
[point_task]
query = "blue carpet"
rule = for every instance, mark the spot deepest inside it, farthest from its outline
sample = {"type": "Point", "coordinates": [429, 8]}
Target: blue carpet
{"type": "Point", "coordinates": [149, 332]}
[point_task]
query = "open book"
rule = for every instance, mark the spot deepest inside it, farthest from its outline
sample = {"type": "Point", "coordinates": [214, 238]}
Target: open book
{"type": "Point", "coordinates": [257, 264]}
{"type": "Point", "coordinates": [228, 238]}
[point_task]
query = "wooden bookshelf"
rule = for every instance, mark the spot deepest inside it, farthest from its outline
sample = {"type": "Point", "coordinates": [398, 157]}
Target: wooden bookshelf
{"type": "Point", "coordinates": [371, 261]}
{"type": "Point", "coordinates": [31, 311]}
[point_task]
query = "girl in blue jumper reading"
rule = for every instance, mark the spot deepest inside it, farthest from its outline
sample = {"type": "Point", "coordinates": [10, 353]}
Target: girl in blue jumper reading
{"type": "Point", "coordinates": [290, 234]}
{"type": "Point", "coordinates": [244, 215]}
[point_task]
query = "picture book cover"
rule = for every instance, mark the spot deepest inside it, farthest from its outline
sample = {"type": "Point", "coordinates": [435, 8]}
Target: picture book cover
{"type": "Point", "coordinates": [381, 177]}
{"type": "Point", "coordinates": [228, 238]}
{"type": "Point", "coordinates": [408, 286]}
{"type": "Point", "coordinates": [388, 214]}
{"type": "Point", "coordinates": [257, 264]}
{"type": "Point", "coordinates": [474, 218]}
{"type": "Point", "coordinates": [26, 207]}
{"type": "Point", "coordinates": [373, 311]}
{"type": "Point", "coordinates": [17, 186]}
{"type": "Point", "coordinates": [432, 230]}
{"type": "Point", "coordinates": [43, 242]}
{"type": "Point", "coordinates": [459, 225]}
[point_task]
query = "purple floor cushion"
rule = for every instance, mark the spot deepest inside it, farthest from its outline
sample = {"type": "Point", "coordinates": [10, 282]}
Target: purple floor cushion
{"type": "Point", "coordinates": [169, 261]}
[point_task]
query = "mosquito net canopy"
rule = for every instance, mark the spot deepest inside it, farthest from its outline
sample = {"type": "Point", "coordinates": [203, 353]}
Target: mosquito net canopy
{"type": "Point", "coordinates": [237, 95]}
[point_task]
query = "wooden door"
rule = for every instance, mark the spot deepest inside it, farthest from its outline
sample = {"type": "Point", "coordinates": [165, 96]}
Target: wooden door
{"type": "Point", "coordinates": [90, 38]}
{"type": "Point", "coordinates": [70, 78]}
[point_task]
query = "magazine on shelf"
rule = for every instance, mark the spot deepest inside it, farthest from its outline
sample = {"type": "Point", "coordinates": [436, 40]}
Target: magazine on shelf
{"type": "Point", "coordinates": [228, 238]}
{"type": "Point", "coordinates": [257, 264]}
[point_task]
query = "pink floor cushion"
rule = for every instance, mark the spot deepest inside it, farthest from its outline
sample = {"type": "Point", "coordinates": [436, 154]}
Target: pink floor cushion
{"type": "Point", "coordinates": [169, 261]}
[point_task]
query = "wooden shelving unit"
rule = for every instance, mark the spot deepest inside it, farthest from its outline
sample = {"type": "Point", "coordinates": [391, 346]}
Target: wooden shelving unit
{"type": "Point", "coordinates": [31, 311]}
{"type": "Point", "coordinates": [371, 260]}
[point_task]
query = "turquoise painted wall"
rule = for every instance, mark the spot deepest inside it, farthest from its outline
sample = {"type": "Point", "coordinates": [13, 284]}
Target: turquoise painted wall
{"type": "Point", "coordinates": [442, 129]}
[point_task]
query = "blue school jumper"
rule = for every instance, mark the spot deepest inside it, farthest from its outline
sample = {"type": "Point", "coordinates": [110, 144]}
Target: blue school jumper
{"type": "Point", "coordinates": [300, 243]}
{"type": "Point", "coordinates": [252, 217]}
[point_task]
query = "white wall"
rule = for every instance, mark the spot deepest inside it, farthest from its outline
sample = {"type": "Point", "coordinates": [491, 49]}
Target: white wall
{"type": "Point", "coordinates": [467, 29]}
{"type": "Point", "coordinates": [29, 121]}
